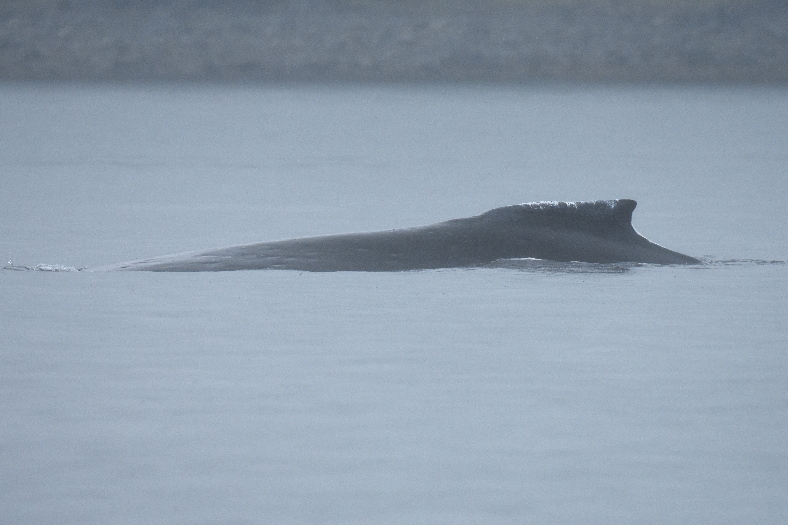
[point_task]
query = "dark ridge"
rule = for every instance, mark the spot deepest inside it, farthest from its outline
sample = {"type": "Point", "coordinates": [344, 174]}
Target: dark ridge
{"type": "Point", "coordinates": [592, 232]}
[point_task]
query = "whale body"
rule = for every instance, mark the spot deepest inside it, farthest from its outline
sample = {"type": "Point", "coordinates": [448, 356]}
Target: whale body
{"type": "Point", "coordinates": [592, 231]}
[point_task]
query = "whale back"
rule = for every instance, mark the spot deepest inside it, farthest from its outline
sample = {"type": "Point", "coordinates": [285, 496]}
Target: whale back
{"type": "Point", "coordinates": [593, 231]}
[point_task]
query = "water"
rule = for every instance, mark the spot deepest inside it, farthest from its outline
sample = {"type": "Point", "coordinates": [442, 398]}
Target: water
{"type": "Point", "coordinates": [576, 394]}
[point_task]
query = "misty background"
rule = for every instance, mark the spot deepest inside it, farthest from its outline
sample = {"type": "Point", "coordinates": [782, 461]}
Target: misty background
{"type": "Point", "coordinates": [556, 393]}
{"type": "Point", "coordinates": [395, 40]}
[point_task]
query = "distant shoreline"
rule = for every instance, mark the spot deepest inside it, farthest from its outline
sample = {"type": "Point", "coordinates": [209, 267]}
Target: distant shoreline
{"type": "Point", "coordinates": [497, 41]}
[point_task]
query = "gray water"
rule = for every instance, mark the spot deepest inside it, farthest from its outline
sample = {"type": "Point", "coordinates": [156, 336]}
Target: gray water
{"type": "Point", "coordinates": [567, 394]}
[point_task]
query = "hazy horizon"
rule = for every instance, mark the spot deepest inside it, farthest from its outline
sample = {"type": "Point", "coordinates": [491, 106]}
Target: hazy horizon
{"type": "Point", "coordinates": [715, 41]}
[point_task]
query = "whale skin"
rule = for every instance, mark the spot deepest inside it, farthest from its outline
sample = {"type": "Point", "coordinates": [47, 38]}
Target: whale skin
{"type": "Point", "coordinates": [588, 231]}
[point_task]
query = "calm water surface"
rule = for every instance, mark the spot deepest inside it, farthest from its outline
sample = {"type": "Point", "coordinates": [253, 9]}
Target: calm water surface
{"type": "Point", "coordinates": [568, 395]}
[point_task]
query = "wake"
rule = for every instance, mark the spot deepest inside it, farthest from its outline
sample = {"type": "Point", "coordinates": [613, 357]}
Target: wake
{"type": "Point", "coordinates": [41, 268]}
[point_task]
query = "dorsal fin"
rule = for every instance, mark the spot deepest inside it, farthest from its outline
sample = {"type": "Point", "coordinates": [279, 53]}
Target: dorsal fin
{"type": "Point", "coordinates": [603, 217]}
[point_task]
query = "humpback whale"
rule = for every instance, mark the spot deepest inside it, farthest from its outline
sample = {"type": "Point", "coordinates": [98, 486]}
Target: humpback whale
{"type": "Point", "coordinates": [592, 231]}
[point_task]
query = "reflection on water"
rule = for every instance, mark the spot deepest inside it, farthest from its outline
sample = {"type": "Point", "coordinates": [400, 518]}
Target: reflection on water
{"type": "Point", "coordinates": [545, 266]}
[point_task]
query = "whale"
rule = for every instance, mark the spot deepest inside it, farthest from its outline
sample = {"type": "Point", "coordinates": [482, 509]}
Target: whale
{"type": "Point", "coordinates": [587, 231]}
